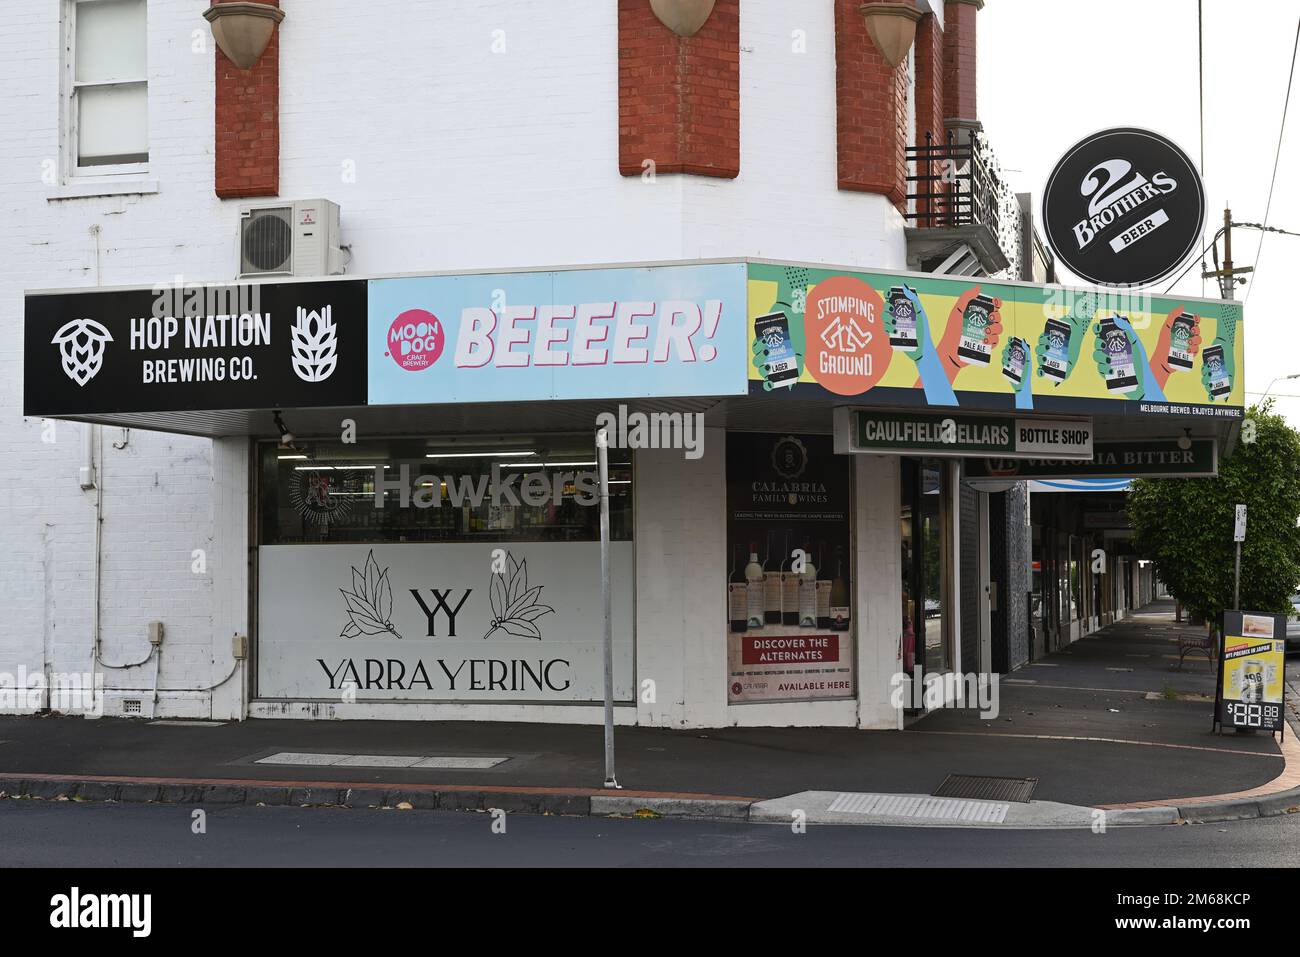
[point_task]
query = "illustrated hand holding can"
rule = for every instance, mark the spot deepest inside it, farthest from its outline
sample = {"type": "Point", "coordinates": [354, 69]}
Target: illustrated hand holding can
{"type": "Point", "coordinates": [973, 332]}
{"type": "Point", "coordinates": [772, 352]}
{"type": "Point", "coordinates": [1217, 370]}
{"type": "Point", "coordinates": [1059, 344]}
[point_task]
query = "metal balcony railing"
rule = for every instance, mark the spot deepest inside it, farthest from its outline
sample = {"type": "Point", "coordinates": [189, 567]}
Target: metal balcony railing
{"type": "Point", "coordinates": [957, 183]}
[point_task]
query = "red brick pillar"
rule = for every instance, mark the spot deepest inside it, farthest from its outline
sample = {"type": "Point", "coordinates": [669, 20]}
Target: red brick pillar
{"type": "Point", "coordinates": [248, 124]}
{"type": "Point", "coordinates": [871, 110]}
{"type": "Point", "coordinates": [929, 109]}
{"type": "Point", "coordinates": [679, 97]}
{"type": "Point", "coordinates": [959, 51]}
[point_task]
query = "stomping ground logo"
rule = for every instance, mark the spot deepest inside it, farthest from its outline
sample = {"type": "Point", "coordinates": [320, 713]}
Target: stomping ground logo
{"type": "Point", "coordinates": [81, 345]}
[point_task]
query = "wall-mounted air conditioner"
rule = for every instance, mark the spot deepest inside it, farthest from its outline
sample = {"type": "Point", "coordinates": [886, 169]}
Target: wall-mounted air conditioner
{"type": "Point", "coordinates": [290, 239]}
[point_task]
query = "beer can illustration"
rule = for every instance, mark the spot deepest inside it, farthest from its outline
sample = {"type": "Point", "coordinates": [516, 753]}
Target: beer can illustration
{"type": "Point", "coordinates": [1122, 376]}
{"type": "Point", "coordinates": [903, 311]}
{"type": "Point", "coordinates": [1252, 682]}
{"type": "Point", "coordinates": [1056, 355]}
{"type": "Point", "coordinates": [974, 321]}
{"type": "Point", "coordinates": [1220, 381]}
{"type": "Point", "coordinates": [1180, 338]}
{"type": "Point", "coordinates": [1014, 361]}
{"type": "Point", "coordinates": [782, 361]}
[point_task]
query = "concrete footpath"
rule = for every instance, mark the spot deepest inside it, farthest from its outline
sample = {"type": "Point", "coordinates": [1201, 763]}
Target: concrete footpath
{"type": "Point", "coordinates": [1108, 723]}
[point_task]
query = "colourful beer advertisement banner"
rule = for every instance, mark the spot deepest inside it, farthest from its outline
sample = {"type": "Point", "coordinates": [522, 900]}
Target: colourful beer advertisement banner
{"type": "Point", "coordinates": [1251, 670]}
{"type": "Point", "coordinates": [910, 340]}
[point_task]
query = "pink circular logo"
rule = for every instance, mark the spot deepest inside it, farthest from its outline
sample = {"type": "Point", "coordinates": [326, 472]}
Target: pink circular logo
{"type": "Point", "coordinates": [415, 339]}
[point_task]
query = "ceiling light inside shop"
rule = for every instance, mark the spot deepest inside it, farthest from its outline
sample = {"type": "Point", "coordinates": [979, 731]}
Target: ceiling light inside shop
{"type": "Point", "coordinates": [474, 455]}
{"type": "Point", "coordinates": [338, 468]}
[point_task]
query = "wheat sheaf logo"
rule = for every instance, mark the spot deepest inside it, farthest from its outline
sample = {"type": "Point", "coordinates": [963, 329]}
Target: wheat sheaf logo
{"type": "Point", "coordinates": [81, 345]}
{"type": "Point", "coordinates": [315, 345]}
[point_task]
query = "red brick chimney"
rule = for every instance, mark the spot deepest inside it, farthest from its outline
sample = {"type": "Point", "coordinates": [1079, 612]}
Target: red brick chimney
{"type": "Point", "coordinates": [959, 49]}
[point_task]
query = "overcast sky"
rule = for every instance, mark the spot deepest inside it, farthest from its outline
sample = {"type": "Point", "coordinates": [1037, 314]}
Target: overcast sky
{"type": "Point", "coordinates": [1052, 72]}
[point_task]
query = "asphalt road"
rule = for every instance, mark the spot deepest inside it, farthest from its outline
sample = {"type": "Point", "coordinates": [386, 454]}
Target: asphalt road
{"type": "Point", "coordinates": [56, 834]}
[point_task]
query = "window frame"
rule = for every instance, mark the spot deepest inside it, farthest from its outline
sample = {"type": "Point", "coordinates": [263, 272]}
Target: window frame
{"type": "Point", "coordinates": [72, 172]}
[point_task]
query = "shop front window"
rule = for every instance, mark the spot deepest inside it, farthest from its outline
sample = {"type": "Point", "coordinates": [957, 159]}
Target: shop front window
{"type": "Point", "coordinates": [519, 489]}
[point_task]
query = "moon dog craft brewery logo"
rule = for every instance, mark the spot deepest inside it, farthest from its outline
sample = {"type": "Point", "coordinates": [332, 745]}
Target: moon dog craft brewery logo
{"type": "Point", "coordinates": [1124, 207]}
{"type": "Point", "coordinates": [81, 345]}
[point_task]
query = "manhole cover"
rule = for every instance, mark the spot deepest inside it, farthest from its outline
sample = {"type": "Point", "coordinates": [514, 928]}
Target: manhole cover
{"type": "Point", "coordinates": [980, 788]}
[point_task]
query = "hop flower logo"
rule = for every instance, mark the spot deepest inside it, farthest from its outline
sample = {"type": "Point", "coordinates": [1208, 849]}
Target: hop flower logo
{"type": "Point", "coordinates": [81, 345]}
{"type": "Point", "coordinates": [315, 345]}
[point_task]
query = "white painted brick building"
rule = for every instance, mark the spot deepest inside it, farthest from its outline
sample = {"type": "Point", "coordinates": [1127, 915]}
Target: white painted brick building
{"type": "Point", "coordinates": [444, 153]}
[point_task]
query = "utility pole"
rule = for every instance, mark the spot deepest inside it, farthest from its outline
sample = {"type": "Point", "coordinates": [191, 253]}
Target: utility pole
{"type": "Point", "coordinates": [1227, 276]}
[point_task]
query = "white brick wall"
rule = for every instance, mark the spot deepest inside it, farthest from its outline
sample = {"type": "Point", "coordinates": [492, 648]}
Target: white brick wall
{"type": "Point", "coordinates": [463, 157]}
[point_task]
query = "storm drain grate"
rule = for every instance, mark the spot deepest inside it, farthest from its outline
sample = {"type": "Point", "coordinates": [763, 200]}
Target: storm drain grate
{"type": "Point", "coordinates": [979, 788]}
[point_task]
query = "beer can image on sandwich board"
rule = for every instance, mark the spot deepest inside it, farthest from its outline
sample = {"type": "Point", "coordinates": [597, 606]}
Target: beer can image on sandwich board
{"type": "Point", "coordinates": [1122, 376]}
{"type": "Point", "coordinates": [1252, 682]}
{"type": "Point", "coordinates": [1220, 381]}
{"type": "Point", "coordinates": [782, 362]}
{"type": "Point", "coordinates": [1180, 337]}
{"type": "Point", "coordinates": [1056, 355]}
{"type": "Point", "coordinates": [974, 321]}
{"type": "Point", "coordinates": [903, 310]}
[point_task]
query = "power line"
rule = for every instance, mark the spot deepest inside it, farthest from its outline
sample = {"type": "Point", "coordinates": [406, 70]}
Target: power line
{"type": "Point", "coordinates": [1200, 80]}
{"type": "Point", "coordinates": [1201, 258]}
{"type": "Point", "coordinates": [1278, 157]}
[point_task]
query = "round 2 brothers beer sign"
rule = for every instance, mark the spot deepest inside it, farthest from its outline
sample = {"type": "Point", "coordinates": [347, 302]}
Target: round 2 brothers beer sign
{"type": "Point", "coordinates": [1124, 207]}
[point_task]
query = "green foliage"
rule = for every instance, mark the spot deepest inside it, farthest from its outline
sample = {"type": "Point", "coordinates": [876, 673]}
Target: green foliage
{"type": "Point", "coordinates": [1185, 525]}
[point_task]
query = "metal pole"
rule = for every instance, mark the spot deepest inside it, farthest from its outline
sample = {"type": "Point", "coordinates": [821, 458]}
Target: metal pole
{"type": "Point", "coordinates": [1236, 582]}
{"type": "Point", "coordinates": [602, 459]}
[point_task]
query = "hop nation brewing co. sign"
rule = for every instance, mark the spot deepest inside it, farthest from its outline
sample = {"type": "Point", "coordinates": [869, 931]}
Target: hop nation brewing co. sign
{"type": "Point", "coordinates": [1124, 207]}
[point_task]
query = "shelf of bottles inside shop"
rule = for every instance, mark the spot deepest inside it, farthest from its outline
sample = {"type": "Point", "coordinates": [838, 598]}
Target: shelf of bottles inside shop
{"type": "Point", "coordinates": [767, 598]}
{"type": "Point", "coordinates": [567, 521]}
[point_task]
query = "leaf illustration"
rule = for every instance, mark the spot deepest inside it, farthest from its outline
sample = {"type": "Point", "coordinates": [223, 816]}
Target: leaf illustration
{"type": "Point", "coordinates": [370, 603]}
{"type": "Point", "coordinates": [514, 604]}
{"type": "Point", "coordinates": [497, 596]}
{"type": "Point", "coordinates": [314, 339]}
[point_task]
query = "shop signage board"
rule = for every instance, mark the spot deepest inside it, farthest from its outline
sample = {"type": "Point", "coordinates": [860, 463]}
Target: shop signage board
{"type": "Point", "coordinates": [1152, 458]}
{"type": "Point", "coordinates": [955, 434]}
{"type": "Point", "coordinates": [1252, 670]}
{"type": "Point", "coordinates": [651, 332]}
{"type": "Point", "coordinates": [789, 618]}
{"type": "Point", "coordinates": [1124, 207]}
{"type": "Point", "coordinates": [901, 341]}
{"type": "Point", "coordinates": [239, 346]}
{"type": "Point", "coordinates": [468, 622]}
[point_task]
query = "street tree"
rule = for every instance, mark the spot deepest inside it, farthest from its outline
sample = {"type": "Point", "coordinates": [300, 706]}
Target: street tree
{"type": "Point", "coordinates": [1185, 525]}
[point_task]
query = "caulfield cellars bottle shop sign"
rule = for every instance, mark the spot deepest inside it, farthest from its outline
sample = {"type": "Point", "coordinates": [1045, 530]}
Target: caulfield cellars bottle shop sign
{"type": "Point", "coordinates": [789, 611]}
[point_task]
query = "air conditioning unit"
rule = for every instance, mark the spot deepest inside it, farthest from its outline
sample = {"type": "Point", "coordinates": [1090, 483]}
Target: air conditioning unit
{"type": "Point", "coordinates": [290, 239]}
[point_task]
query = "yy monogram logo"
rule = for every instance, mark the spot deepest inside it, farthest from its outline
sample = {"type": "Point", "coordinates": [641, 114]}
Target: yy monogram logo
{"type": "Point", "coordinates": [81, 345]}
